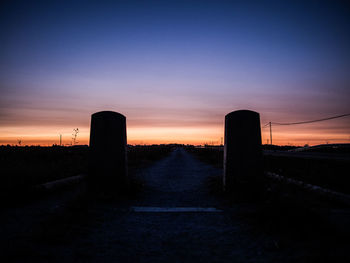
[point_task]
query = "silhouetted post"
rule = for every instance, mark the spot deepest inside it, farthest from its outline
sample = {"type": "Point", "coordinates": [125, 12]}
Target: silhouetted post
{"type": "Point", "coordinates": [107, 166]}
{"type": "Point", "coordinates": [242, 152]}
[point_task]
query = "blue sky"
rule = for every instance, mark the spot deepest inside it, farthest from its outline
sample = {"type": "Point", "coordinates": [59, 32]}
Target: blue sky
{"type": "Point", "coordinates": [173, 66]}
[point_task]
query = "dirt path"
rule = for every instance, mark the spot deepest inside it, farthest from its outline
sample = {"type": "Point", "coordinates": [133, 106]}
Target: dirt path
{"type": "Point", "coordinates": [123, 235]}
{"type": "Point", "coordinates": [178, 180]}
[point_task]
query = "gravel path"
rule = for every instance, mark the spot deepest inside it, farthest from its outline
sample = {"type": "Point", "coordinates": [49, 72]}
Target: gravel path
{"type": "Point", "coordinates": [122, 235]}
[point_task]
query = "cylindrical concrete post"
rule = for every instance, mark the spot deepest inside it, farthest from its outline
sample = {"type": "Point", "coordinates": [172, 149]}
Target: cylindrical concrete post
{"type": "Point", "coordinates": [107, 164]}
{"type": "Point", "coordinates": [242, 151]}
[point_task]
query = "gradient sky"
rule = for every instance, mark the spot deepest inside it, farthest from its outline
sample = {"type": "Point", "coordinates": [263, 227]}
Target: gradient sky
{"type": "Point", "coordinates": [173, 68]}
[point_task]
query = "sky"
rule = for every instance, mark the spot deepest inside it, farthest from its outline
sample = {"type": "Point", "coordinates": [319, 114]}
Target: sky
{"type": "Point", "coordinates": [173, 68]}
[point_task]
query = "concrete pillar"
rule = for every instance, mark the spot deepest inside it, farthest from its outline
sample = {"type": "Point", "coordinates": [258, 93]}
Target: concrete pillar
{"type": "Point", "coordinates": [242, 152]}
{"type": "Point", "coordinates": [107, 164]}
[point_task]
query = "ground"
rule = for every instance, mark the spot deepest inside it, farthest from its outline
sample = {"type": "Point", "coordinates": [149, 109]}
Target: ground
{"type": "Point", "coordinates": [119, 234]}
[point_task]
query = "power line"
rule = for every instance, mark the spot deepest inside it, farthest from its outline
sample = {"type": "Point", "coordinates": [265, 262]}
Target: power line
{"type": "Point", "coordinates": [305, 122]}
{"type": "Point", "coordinates": [269, 124]}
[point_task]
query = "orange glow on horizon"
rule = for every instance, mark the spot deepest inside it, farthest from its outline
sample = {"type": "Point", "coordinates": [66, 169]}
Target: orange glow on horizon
{"type": "Point", "coordinates": [287, 135]}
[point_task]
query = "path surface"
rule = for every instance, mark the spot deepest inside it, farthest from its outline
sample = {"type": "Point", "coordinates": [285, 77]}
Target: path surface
{"type": "Point", "coordinates": [178, 180]}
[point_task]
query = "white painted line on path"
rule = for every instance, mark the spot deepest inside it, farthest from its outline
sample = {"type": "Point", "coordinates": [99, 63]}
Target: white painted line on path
{"type": "Point", "coordinates": [153, 209]}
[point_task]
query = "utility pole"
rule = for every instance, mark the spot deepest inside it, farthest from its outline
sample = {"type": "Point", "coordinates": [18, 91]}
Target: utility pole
{"type": "Point", "coordinates": [270, 133]}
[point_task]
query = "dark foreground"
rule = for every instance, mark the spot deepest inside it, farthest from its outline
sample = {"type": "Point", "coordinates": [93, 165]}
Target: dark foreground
{"type": "Point", "coordinates": [117, 231]}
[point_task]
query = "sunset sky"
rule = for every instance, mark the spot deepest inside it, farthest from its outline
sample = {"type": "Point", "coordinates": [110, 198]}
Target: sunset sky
{"type": "Point", "coordinates": [173, 68]}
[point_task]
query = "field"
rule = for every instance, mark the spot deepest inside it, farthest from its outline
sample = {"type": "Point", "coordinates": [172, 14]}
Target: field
{"type": "Point", "coordinates": [291, 214]}
{"type": "Point", "coordinates": [330, 174]}
{"type": "Point", "coordinates": [25, 167]}
{"type": "Point", "coordinates": [96, 227]}
{"type": "Point", "coordinates": [22, 168]}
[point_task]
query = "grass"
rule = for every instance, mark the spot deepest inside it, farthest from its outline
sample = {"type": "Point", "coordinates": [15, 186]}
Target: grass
{"type": "Point", "coordinates": [292, 216]}
{"type": "Point", "coordinates": [77, 216]}
{"type": "Point", "coordinates": [25, 167]}
{"type": "Point", "coordinates": [330, 174]}
{"type": "Point", "coordinates": [298, 218]}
